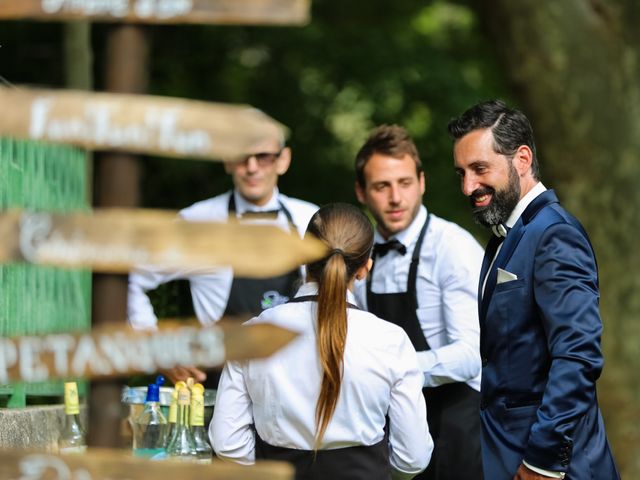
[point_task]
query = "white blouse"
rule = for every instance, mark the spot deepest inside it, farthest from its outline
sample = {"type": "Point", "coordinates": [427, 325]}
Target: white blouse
{"type": "Point", "coordinates": [278, 395]}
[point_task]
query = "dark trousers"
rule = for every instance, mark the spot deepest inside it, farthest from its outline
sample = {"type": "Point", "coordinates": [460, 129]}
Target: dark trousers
{"type": "Point", "coordinates": [453, 414]}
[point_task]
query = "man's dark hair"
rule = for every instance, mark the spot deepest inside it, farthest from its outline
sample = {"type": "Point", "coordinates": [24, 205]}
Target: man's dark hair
{"type": "Point", "coordinates": [392, 140]}
{"type": "Point", "coordinates": [510, 128]}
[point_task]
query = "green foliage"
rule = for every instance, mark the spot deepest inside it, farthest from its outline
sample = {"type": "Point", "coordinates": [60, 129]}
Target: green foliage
{"type": "Point", "coordinates": [356, 65]}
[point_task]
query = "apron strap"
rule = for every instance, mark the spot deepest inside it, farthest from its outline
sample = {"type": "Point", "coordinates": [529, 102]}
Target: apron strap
{"type": "Point", "coordinates": [413, 268]}
{"type": "Point", "coordinates": [232, 210]}
{"type": "Point", "coordinates": [314, 298]}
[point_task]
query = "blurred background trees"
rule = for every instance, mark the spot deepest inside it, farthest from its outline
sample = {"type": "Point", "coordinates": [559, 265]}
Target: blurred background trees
{"type": "Point", "coordinates": [572, 66]}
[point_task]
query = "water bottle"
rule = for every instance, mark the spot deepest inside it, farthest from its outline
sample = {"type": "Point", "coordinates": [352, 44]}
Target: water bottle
{"type": "Point", "coordinates": [150, 427]}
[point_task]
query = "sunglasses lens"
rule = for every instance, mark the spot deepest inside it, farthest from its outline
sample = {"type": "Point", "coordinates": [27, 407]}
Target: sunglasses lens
{"type": "Point", "coordinates": [265, 158]}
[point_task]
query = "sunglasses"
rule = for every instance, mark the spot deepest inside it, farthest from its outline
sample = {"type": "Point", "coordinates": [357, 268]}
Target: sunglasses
{"type": "Point", "coordinates": [263, 159]}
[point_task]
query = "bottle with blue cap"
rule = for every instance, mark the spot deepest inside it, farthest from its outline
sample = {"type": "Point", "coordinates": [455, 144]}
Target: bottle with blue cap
{"type": "Point", "coordinates": [150, 427]}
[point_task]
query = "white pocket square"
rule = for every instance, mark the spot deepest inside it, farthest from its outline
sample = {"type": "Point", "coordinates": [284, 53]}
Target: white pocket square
{"type": "Point", "coordinates": [504, 276]}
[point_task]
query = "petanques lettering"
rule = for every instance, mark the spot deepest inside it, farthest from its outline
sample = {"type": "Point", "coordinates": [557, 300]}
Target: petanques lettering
{"type": "Point", "coordinates": [60, 346]}
{"type": "Point", "coordinates": [38, 358]}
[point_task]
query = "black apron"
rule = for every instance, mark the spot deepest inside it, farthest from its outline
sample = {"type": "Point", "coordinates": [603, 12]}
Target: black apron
{"type": "Point", "coordinates": [350, 463]}
{"type": "Point", "coordinates": [250, 296]}
{"type": "Point", "coordinates": [453, 409]}
{"type": "Point", "coordinates": [360, 462]}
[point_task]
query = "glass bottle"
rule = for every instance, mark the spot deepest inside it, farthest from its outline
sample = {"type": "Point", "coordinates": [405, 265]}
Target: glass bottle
{"type": "Point", "coordinates": [204, 452]}
{"type": "Point", "coordinates": [173, 411]}
{"type": "Point", "coordinates": [72, 438]}
{"type": "Point", "coordinates": [150, 427]}
{"type": "Point", "coordinates": [173, 415]}
{"type": "Point", "coordinates": [182, 445]}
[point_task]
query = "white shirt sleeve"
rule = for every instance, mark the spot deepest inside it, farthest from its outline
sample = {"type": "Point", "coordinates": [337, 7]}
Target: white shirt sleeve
{"type": "Point", "coordinates": [410, 443]}
{"type": "Point", "coordinates": [230, 431]}
{"type": "Point", "coordinates": [209, 292]}
{"type": "Point", "coordinates": [543, 472]}
{"type": "Point", "coordinates": [458, 271]}
{"type": "Point", "coordinates": [139, 309]}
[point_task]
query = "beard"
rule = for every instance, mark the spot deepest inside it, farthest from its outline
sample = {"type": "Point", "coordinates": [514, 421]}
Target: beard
{"type": "Point", "coordinates": [503, 201]}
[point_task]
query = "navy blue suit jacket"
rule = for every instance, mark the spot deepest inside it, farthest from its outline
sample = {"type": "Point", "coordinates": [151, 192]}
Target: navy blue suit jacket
{"type": "Point", "coordinates": [540, 347]}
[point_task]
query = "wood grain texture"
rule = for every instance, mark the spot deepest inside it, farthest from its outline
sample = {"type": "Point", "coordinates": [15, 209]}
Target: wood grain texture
{"type": "Point", "coordinates": [107, 464]}
{"type": "Point", "coordinates": [218, 12]}
{"type": "Point", "coordinates": [135, 123]}
{"type": "Point", "coordinates": [119, 240]}
{"type": "Point", "coordinates": [120, 352]}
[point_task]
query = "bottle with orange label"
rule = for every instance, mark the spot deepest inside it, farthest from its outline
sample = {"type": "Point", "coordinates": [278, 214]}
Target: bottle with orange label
{"type": "Point", "coordinates": [72, 438]}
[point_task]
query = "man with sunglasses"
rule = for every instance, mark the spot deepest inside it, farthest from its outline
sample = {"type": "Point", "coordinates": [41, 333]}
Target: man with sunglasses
{"type": "Point", "coordinates": [254, 198]}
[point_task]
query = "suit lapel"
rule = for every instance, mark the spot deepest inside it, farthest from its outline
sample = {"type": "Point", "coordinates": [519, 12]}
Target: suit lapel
{"type": "Point", "coordinates": [508, 247]}
{"type": "Point", "coordinates": [489, 253]}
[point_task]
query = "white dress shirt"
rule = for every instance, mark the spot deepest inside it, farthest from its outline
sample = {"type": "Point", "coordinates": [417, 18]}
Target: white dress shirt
{"type": "Point", "coordinates": [447, 294]}
{"type": "Point", "coordinates": [210, 288]}
{"type": "Point", "coordinates": [521, 206]}
{"type": "Point", "coordinates": [278, 395]}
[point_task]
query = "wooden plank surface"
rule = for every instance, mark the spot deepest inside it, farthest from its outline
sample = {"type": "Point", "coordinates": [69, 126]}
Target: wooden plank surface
{"type": "Point", "coordinates": [105, 464]}
{"type": "Point", "coordinates": [135, 123]}
{"type": "Point", "coordinates": [118, 240]}
{"type": "Point", "coordinates": [120, 351]}
{"type": "Point", "coordinates": [219, 12]}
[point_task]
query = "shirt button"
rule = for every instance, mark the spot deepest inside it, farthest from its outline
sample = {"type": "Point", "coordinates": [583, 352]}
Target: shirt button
{"type": "Point", "coordinates": [485, 361]}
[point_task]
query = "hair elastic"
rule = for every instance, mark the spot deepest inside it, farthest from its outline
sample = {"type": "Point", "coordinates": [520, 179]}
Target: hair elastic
{"type": "Point", "coordinates": [336, 250]}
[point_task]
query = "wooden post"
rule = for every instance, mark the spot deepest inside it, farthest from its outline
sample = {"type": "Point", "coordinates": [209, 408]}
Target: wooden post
{"type": "Point", "coordinates": [116, 184]}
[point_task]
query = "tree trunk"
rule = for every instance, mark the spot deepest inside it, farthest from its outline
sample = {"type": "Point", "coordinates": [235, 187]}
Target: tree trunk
{"type": "Point", "coordinates": [575, 68]}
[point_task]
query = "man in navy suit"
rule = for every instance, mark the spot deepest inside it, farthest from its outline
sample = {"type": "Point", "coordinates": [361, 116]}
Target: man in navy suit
{"type": "Point", "coordinates": [538, 303]}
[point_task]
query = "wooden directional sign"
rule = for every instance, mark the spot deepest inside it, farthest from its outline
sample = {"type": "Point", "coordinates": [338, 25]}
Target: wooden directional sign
{"type": "Point", "coordinates": [135, 123]}
{"type": "Point", "coordinates": [122, 352]}
{"type": "Point", "coordinates": [103, 464]}
{"type": "Point", "coordinates": [243, 12]}
{"type": "Point", "coordinates": [119, 240]}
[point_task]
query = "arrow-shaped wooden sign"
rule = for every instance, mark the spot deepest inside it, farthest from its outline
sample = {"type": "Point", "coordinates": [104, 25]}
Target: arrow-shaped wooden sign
{"type": "Point", "coordinates": [104, 464]}
{"type": "Point", "coordinates": [232, 12]}
{"type": "Point", "coordinates": [121, 351]}
{"type": "Point", "coordinates": [135, 123]}
{"type": "Point", "coordinates": [119, 240]}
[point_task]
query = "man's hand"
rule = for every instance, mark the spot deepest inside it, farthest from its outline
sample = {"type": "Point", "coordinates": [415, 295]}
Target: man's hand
{"type": "Point", "coordinates": [178, 373]}
{"type": "Point", "coordinates": [525, 473]}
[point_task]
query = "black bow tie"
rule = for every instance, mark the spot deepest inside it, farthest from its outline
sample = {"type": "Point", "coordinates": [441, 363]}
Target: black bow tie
{"type": "Point", "coordinates": [381, 249]}
{"type": "Point", "coordinates": [500, 230]}
{"type": "Point", "coordinates": [260, 215]}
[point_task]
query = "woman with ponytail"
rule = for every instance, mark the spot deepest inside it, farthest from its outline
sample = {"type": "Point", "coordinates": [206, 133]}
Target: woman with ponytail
{"type": "Point", "coordinates": [344, 399]}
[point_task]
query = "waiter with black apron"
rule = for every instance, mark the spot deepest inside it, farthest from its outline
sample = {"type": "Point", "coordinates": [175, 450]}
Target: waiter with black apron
{"type": "Point", "coordinates": [424, 279]}
{"type": "Point", "coordinates": [254, 199]}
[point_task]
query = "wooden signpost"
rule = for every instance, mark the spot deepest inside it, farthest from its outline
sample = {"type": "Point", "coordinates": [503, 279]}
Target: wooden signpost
{"type": "Point", "coordinates": [103, 464]}
{"type": "Point", "coordinates": [119, 240]}
{"type": "Point", "coordinates": [120, 351]}
{"type": "Point", "coordinates": [220, 12]}
{"type": "Point", "coordinates": [135, 123]}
